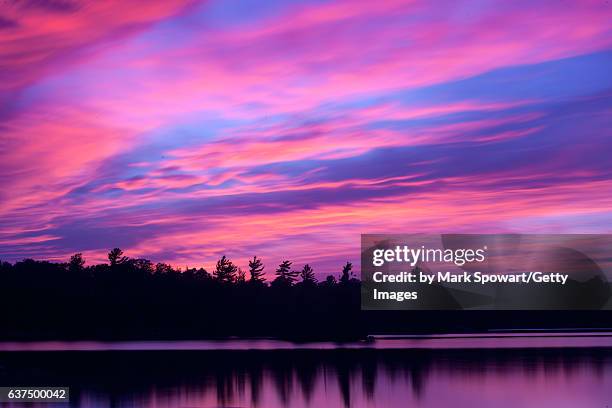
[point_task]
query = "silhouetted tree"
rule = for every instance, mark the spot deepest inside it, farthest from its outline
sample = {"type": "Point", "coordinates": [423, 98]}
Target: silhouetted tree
{"type": "Point", "coordinates": [256, 268]}
{"type": "Point", "coordinates": [284, 273]}
{"type": "Point", "coordinates": [142, 300]}
{"type": "Point", "coordinates": [307, 275]}
{"type": "Point", "coordinates": [115, 257]}
{"type": "Point", "coordinates": [162, 268]}
{"type": "Point", "coordinates": [329, 281]}
{"type": "Point", "coordinates": [240, 276]}
{"type": "Point", "coordinates": [143, 265]}
{"type": "Point", "coordinates": [202, 274]}
{"type": "Point", "coordinates": [76, 263]}
{"type": "Point", "coordinates": [225, 271]}
{"type": "Point", "coordinates": [346, 273]}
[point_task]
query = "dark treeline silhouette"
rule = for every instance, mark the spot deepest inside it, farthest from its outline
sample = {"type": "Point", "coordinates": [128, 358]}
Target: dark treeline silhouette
{"type": "Point", "coordinates": [135, 298]}
{"type": "Point", "coordinates": [130, 298]}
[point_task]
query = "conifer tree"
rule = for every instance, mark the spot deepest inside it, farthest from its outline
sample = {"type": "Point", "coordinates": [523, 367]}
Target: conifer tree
{"type": "Point", "coordinates": [307, 275]}
{"type": "Point", "coordinates": [225, 271]}
{"type": "Point", "coordinates": [256, 268]}
{"type": "Point", "coordinates": [241, 276]}
{"type": "Point", "coordinates": [285, 274]}
{"type": "Point", "coordinates": [115, 257]}
{"type": "Point", "coordinates": [346, 273]}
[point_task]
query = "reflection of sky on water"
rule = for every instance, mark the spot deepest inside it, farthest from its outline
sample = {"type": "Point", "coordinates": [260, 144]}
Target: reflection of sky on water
{"type": "Point", "coordinates": [554, 377]}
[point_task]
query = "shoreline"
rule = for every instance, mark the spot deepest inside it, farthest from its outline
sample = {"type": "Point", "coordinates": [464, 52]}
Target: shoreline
{"type": "Point", "coordinates": [497, 340]}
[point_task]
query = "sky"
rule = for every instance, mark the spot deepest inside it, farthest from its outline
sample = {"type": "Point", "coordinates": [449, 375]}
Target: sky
{"type": "Point", "coordinates": [181, 131]}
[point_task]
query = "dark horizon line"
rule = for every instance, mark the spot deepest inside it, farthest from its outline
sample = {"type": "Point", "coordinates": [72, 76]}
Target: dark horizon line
{"type": "Point", "coordinates": [116, 258]}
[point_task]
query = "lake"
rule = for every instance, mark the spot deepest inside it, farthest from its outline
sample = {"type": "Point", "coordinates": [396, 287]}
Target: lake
{"type": "Point", "coordinates": [494, 370]}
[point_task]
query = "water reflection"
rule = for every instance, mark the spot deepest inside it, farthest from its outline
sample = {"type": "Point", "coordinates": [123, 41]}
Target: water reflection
{"type": "Point", "coordinates": [322, 378]}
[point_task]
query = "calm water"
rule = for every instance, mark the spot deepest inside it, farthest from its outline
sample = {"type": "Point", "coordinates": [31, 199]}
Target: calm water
{"type": "Point", "coordinates": [450, 371]}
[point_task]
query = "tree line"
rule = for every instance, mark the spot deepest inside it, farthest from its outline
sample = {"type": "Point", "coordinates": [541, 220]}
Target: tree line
{"type": "Point", "coordinates": [132, 298]}
{"type": "Point", "coordinates": [225, 270]}
{"type": "Point", "coordinates": [136, 298]}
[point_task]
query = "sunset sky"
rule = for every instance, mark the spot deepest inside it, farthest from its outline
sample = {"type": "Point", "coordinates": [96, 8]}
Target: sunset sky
{"type": "Point", "coordinates": [181, 131]}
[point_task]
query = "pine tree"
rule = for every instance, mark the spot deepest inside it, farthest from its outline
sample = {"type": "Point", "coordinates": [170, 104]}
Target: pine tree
{"type": "Point", "coordinates": [115, 257]}
{"type": "Point", "coordinates": [225, 271]}
{"type": "Point", "coordinates": [346, 273]}
{"type": "Point", "coordinates": [307, 275]}
{"type": "Point", "coordinates": [256, 268]}
{"type": "Point", "coordinates": [241, 276]}
{"type": "Point", "coordinates": [285, 274]}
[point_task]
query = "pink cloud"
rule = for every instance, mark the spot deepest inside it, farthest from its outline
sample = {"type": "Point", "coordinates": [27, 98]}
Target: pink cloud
{"type": "Point", "coordinates": [42, 39]}
{"type": "Point", "coordinates": [106, 80]}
